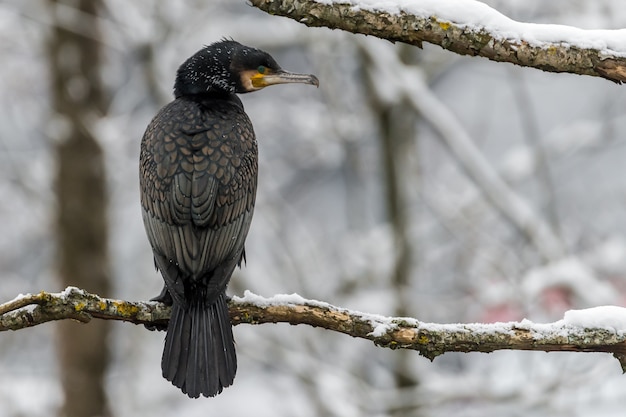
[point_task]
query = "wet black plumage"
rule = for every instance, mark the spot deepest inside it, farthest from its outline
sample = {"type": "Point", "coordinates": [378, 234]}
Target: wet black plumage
{"type": "Point", "coordinates": [198, 178]}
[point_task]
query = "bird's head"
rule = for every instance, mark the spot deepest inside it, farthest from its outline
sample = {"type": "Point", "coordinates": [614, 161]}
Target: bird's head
{"type": "Point", "coordinates": [230, 67]}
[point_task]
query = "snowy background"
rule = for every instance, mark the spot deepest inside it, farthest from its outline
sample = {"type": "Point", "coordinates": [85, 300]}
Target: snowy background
{"type": "Point", "coordinates": [322, 226]}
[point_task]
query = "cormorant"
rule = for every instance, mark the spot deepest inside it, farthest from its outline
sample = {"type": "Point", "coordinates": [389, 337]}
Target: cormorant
{"type": "Point", "coordinates": [198, 178]}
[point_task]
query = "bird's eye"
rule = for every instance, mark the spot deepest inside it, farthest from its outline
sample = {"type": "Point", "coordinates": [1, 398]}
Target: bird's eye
{"type": "Point", "coordinates": [261, 69]}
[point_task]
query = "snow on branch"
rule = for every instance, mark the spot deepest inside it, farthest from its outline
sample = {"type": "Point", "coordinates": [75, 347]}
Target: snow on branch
{"type": "Point", "coordinates": [467, 27]}
{"type": "Point", "coordinates": [602, 329]}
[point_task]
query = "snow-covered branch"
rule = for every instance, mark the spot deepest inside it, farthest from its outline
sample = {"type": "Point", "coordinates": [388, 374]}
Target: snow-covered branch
{"type": "Point", "coordinates": [594, 330]}
{"type": "Point", "coordinates": [468, 28]}
{"type": "Point", "coordinates": [73, 303]}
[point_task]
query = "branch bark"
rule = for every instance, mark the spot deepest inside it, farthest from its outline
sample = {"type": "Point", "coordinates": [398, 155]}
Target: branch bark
{"type": "Point", "coordinates": [429, 339]}
{"type": "Point", "coordinates": [434, 25]}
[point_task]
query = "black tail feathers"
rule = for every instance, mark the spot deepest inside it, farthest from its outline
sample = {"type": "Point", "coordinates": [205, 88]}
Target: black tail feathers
{"type": "Point", "coordinates": [199, 355]}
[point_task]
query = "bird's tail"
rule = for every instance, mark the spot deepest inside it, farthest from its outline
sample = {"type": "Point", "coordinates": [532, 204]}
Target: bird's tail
{"type": "Point", "coordinates": [199, 355]}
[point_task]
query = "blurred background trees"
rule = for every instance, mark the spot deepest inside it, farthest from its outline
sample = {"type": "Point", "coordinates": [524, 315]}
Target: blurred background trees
{"type": "Point", "coordinates": [361, 203]}
{"type": "Point", "coordinates": [82, 229]}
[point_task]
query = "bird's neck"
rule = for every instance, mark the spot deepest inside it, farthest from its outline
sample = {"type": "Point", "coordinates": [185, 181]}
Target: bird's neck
{"type": "Point", "coordinates": [206, 98]}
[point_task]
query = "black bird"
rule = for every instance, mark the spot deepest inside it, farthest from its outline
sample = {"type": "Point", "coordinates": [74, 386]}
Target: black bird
{"type": "Point", "coordinates": [198, 178]}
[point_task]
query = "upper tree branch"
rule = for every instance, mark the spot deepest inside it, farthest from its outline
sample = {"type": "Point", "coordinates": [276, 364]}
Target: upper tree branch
{"type": "Point", "coordinates": [428, 339]}
{"type": "Point", "coordinates": [508, 44]}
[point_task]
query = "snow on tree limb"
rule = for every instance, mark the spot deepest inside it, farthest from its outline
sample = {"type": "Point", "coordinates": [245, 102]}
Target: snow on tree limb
{"type": "Point", "coordinates": [32, 309]}
{"type": "Point", "coordinates": [573, 334]}
{"type": "Point", "coordinates": [467, 28]}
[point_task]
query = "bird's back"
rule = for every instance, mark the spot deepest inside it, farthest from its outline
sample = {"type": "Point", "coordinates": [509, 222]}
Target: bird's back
{"type": "Point", "coordinates": [198, 176]}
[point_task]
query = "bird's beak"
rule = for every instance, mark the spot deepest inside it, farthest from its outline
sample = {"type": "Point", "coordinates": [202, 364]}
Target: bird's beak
{"type": "Point", "coordinates": [283, 77]}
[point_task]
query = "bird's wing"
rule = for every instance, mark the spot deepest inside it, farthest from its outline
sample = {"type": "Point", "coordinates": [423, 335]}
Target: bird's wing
{"type": "Point", "coordinates": [198, 185]}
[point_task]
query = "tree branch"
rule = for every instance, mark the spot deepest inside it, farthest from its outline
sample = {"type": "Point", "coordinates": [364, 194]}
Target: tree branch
{"type": "Point", "coordinates": [32, 309]}
{"type": "Point", "coordinates": [429, 339]}
{"type": "Point", "coordinates": [471, 28]}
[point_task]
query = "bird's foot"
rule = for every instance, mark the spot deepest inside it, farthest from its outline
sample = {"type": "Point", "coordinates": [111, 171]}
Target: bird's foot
{"type": "Point", "coordinates": [165, 298]}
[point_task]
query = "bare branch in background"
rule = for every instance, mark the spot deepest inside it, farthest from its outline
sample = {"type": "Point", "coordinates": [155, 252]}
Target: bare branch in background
{"type": "Point", "coordinates": [408, 81]}
{"type": "Point", "coordinates": [463, 36]}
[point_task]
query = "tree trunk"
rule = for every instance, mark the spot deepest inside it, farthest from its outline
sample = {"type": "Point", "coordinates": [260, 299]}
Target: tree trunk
{"type": "Point", "coordinates": [81, 220]}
